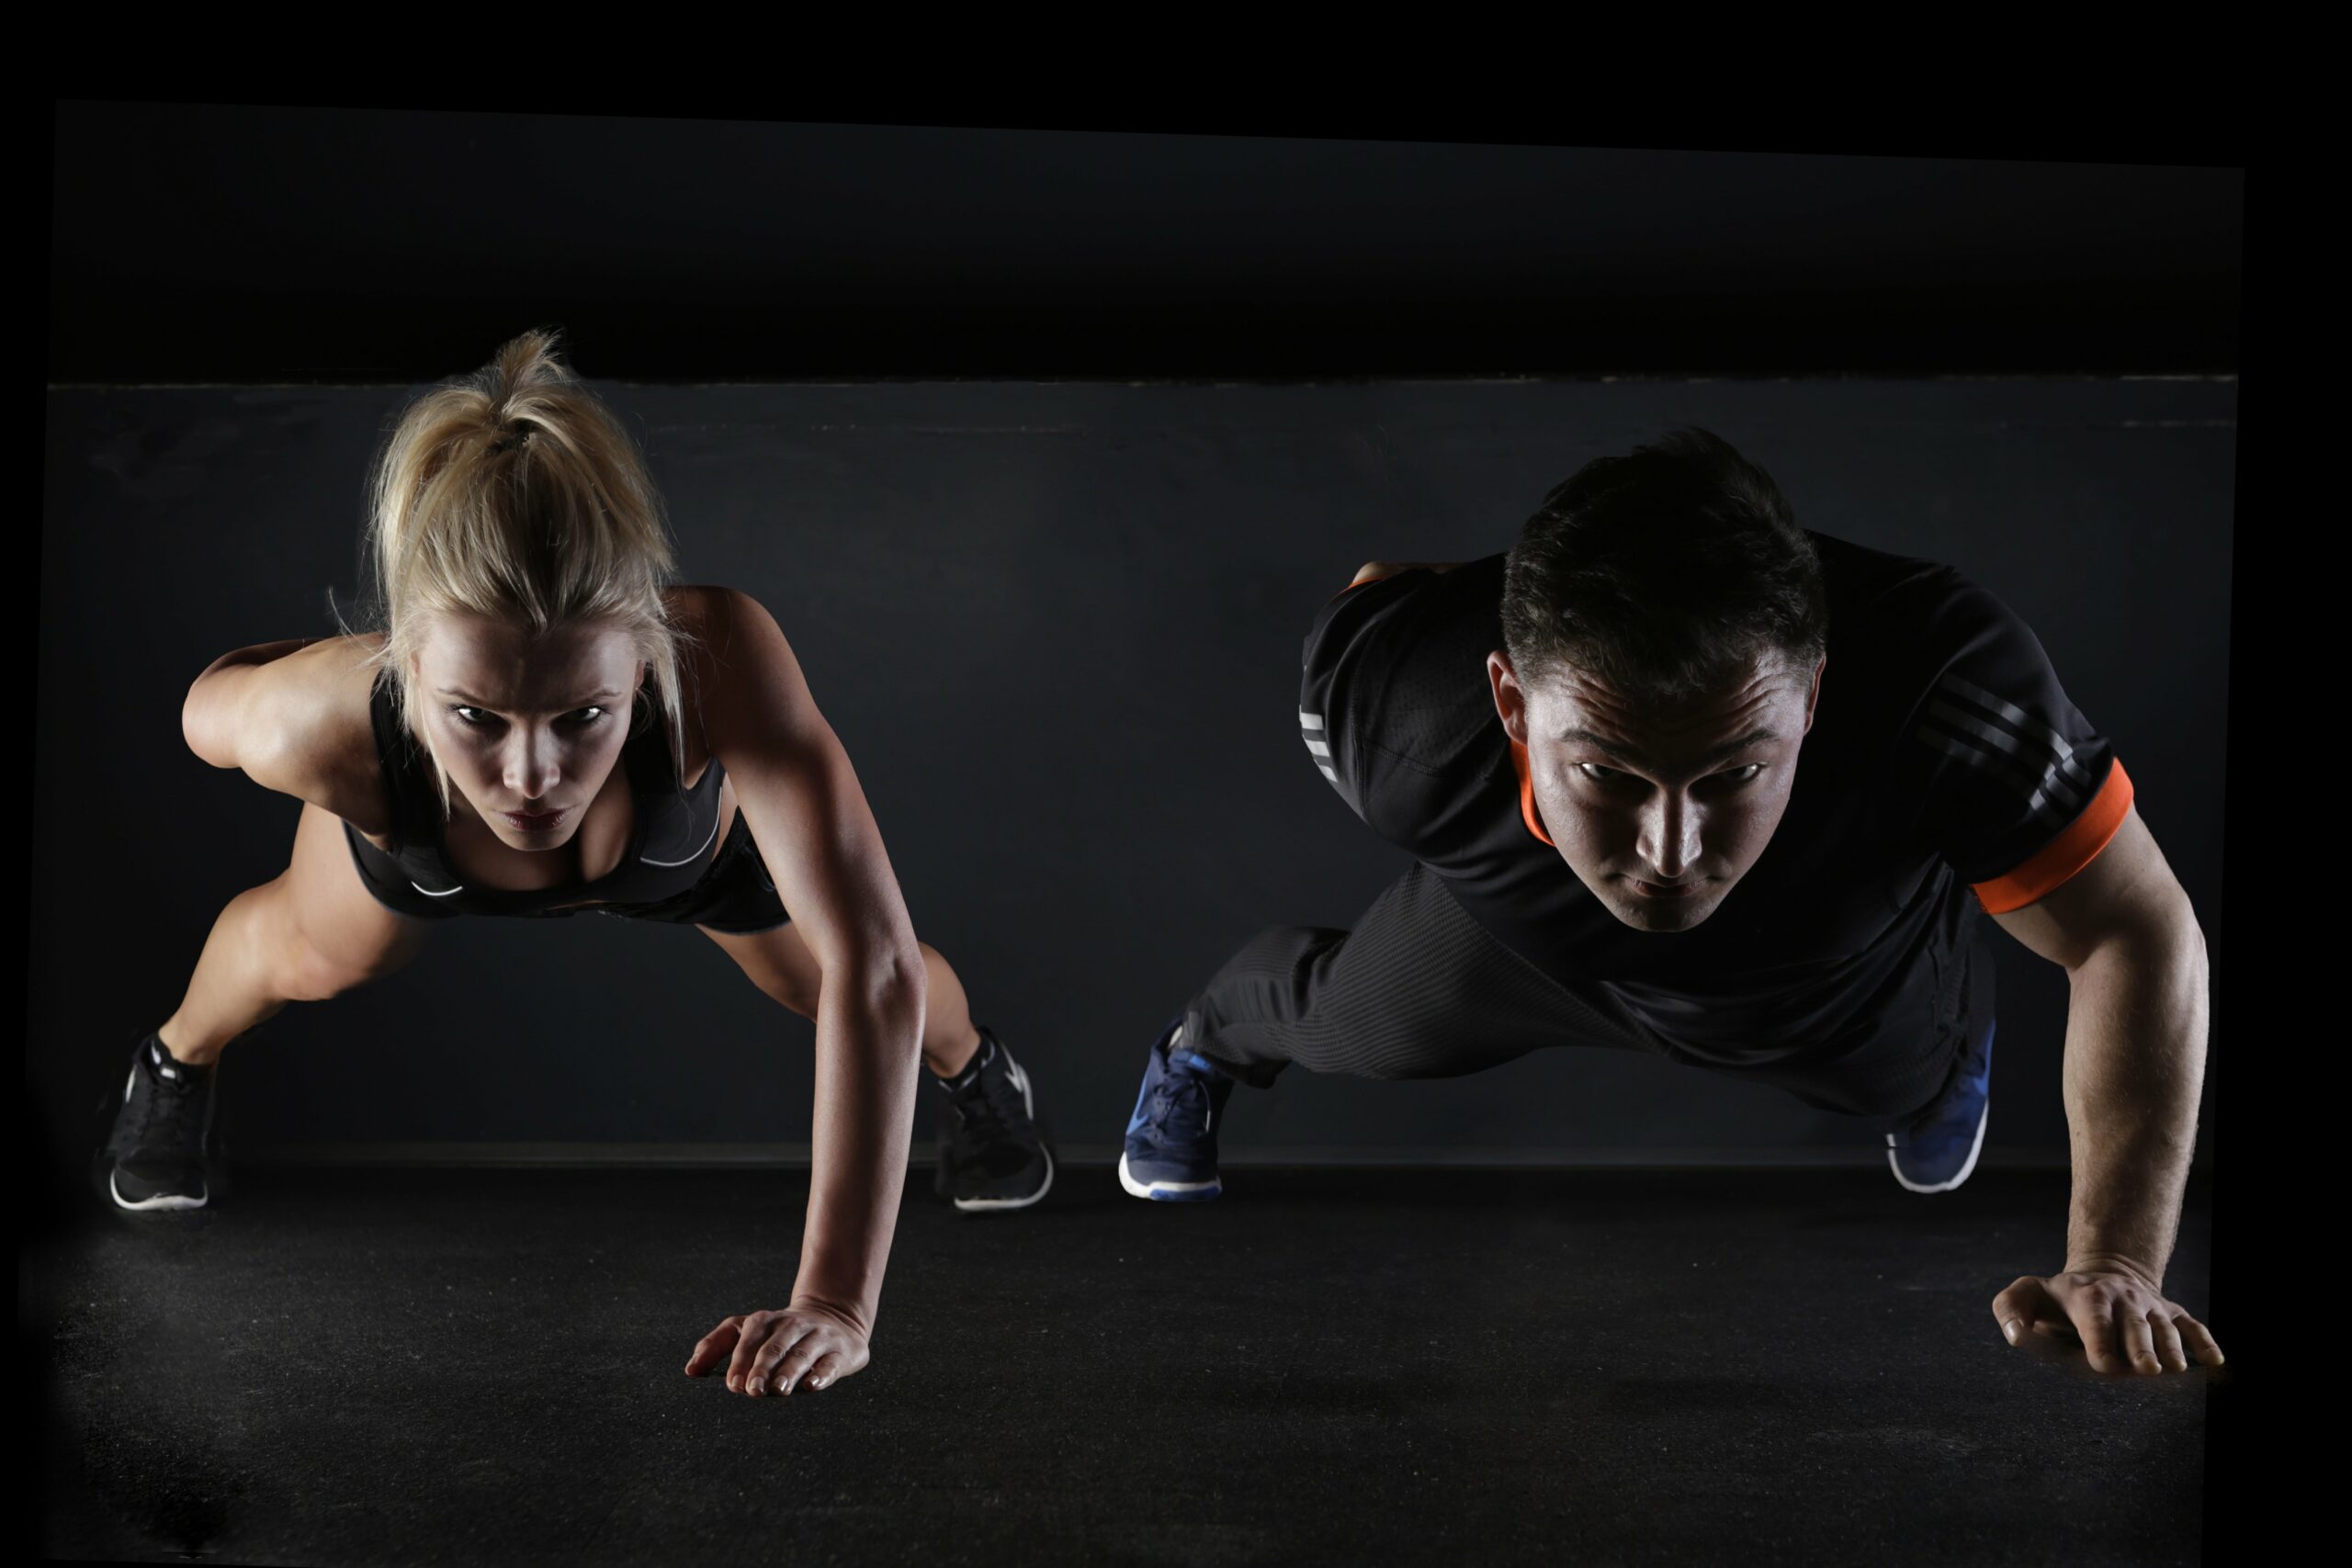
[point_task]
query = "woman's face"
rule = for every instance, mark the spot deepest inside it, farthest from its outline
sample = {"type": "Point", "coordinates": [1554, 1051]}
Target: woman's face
{"type": "Point", "coordinates": [527, 727]}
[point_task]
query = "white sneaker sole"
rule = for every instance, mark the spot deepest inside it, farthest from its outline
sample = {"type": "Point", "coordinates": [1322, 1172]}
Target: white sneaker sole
{"type": "Point", "coordinates": [1028, 1109]}
{"type": "Point", "coordinates": [972, 1205]}
{"type": "Point", "coordinates": [1210, 1188]}
{"type": "Point", "coordinates": [164, 1201]}
{"type": "Point", "coordinates": [1975, 1149]}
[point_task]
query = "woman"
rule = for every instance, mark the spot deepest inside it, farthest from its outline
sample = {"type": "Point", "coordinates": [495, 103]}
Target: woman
{"type": "Point", "coordinates": [542, 726]}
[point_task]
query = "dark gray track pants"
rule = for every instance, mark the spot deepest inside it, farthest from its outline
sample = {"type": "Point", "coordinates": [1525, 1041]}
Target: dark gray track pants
{"type": "Point", "coordinates": [1419, 991]}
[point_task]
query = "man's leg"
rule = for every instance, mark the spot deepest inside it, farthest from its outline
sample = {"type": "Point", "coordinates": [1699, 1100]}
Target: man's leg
{"type": "Point", "coordinates": [1417, 990]}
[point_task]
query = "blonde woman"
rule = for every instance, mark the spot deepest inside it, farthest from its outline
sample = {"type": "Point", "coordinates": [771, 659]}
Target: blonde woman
{"type": "Point", "coordinates": [540, 727]}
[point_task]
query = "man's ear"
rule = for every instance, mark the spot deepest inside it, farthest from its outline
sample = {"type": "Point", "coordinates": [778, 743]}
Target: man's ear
{"type": "Point", "coordinates": [1812, 698]}
{"type": "Point", "coordinates": [1510, 699]}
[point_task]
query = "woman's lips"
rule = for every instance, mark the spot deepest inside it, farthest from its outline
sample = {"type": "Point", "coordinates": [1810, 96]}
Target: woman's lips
{"type": "Point", "coordinates": [534, 821]}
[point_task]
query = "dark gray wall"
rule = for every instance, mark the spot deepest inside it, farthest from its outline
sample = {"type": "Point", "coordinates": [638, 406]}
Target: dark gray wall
{"type": "Point", "coordinates": [1056, 628]}
{"type": "Point", "coordinates": [258, 242]}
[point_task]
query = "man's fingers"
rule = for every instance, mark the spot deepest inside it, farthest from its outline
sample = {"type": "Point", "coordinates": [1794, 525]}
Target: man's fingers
{"type": "Point", "coordinates": [2134, 1338]}
{"type": "Point", "coordinates": [711, 1346]}
{"type": "Point", "coordinates": [767, 1375]}
{"type": "Point", "coordinates": [2167, 1337]}
{"type": "Point", "coordinates": [2017, 1308]}
{"type": "Point", "coordinates": [2093, 1315]}
{"type": "Point", "coordinates": [2198, 1339]}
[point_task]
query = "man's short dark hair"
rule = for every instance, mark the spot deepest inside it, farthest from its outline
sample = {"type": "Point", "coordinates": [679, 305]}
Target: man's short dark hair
{"type": "Point", "coordinates": [1664, 574]}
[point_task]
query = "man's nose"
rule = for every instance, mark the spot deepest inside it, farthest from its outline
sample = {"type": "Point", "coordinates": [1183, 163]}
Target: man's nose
{"type": "Point", "coordinates": [1669, 835]}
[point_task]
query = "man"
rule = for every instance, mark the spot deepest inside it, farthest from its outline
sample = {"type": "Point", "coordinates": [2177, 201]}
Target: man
{"type": "Point", "coordinates": [1590, 747]}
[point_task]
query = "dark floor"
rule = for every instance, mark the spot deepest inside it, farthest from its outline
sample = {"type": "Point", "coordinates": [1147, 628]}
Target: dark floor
{"type": "Point", "coordinates": [1336, 1367]}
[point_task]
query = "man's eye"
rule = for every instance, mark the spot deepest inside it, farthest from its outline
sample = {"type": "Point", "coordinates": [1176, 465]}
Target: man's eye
{"type": "Point", "coordinates": [1598, 773]}
{"type": "Point", "coordinates": [1743, 774]}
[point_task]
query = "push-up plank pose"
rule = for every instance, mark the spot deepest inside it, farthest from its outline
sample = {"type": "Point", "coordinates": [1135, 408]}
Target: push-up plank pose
{"type": "Point", "coordinates": [1590, 747]}
{"type": "Point", "coordinates": [543, 727]}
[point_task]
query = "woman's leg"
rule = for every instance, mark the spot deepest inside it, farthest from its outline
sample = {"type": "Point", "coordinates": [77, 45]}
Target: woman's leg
{"type": "Point", "coordinates": [307, 934]}
{"type": "Point", "coordinates": [780, 963]}
{"type": "Point", "coordinates": [992, 1154]}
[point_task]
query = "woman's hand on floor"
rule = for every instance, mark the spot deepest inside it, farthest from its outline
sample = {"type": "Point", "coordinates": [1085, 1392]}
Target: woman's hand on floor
{"type": "Point", "coordinates": [770, 1352]}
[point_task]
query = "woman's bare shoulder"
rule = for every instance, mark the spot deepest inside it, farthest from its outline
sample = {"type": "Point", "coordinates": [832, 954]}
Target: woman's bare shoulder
{"type": "Point", "coordinates": [315, 734]}
{"type": "Point", "coordinates": [701, 608]}
{"type": "Point", "coordinates": [722, 627]}
{"type": "Point", "coordinates": [741, 672]}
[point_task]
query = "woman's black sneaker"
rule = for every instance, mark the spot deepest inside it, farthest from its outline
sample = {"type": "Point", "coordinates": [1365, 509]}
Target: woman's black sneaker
{"type": "Point", "coordinates": [991, 1154]}
{"type": "Point", "coordinates": [158, 1154]}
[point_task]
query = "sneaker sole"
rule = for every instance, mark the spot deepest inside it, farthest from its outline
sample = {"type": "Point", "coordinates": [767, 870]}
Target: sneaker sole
{"type": "Point", "coordinates": [1028, 1109]}
{"type": "Point", "coordinates": [102, 1172]}
{"type": "Point", "coordinates": [150, 1205]}
{"type": "Point", "coordinates": [1967, 1166]}
{"type": "Point", "coordinates": [975, 1205]}
{"type": "Point", "coordinates": [1168, 1192]}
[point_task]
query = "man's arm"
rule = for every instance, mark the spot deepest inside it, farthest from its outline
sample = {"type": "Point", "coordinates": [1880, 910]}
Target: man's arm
{"type": "Point", "coordinates": [1374, 570]}
{"type": "Point", "coordinates": [2124, 932]}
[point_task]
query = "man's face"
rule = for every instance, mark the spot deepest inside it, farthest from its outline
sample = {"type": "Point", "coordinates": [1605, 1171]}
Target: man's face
{"type": "Point", "coordinates": [1660, 810]}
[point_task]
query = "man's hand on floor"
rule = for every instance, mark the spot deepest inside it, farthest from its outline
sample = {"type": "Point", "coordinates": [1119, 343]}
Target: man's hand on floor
{"type": "Point", "coordinates": [2122, 1318]}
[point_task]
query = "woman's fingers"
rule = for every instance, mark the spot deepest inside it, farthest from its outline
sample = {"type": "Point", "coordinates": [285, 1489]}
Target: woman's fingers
{"type": "Point", "coordinates": [776, 1352]}
{"type": "Point", "coordinates": [712, 1346]}
{"type": "Point", "coordinates": [748, 1340]}
{"type": "Point", "coordinates": [804, 1354]}
{"type": "Point", "coordinates": [779, 1362]}
{"type": "Point", "coordinates": [825, 1368]}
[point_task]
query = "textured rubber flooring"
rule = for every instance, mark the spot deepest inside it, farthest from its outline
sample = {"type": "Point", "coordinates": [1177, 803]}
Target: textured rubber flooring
{"type": "Point", "coordinates": [1785, 1367]}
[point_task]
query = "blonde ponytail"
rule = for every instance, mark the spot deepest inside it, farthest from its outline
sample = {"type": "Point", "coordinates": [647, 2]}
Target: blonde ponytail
{"type": "Point", "coordinates": [513, 494]}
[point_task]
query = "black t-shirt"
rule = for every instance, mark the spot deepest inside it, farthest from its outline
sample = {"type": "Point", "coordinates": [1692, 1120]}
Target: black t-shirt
{"type": "Point", "coordinates": [1945, 770]}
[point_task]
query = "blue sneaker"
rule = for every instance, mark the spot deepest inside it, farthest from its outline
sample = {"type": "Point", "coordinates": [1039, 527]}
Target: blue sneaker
{"type": "Point", "coordinates": [1937, 1150]}
{"type": "Point", "coordinates": [1171, 1152]}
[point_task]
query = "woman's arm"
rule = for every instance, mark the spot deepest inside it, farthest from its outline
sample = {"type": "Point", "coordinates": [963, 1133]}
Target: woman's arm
{"type": "Point", "coordinates": [795, 785]}
{"type": "Point", "coordinates": [293, 716]}
{"type": "Point", "coordinates": [219, 715]}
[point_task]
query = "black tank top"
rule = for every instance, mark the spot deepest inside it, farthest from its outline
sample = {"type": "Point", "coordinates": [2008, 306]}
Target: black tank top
{"type": "Point", "coordinates": [670, 845]}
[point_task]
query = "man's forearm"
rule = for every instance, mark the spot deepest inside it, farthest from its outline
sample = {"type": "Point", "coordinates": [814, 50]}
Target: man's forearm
{"type": "Point", "coordinates": [2135, 1071]}
{"type": "Point", "coordinates": [869, 1040]}
{"type": "Point", "coordinates": [1374, 570]}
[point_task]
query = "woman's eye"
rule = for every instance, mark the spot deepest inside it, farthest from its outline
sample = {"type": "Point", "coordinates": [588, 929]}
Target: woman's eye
{"type": "Point", "coordinates": [471, 715]}
{"type": "Point", "coordinates": [590, 714]}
